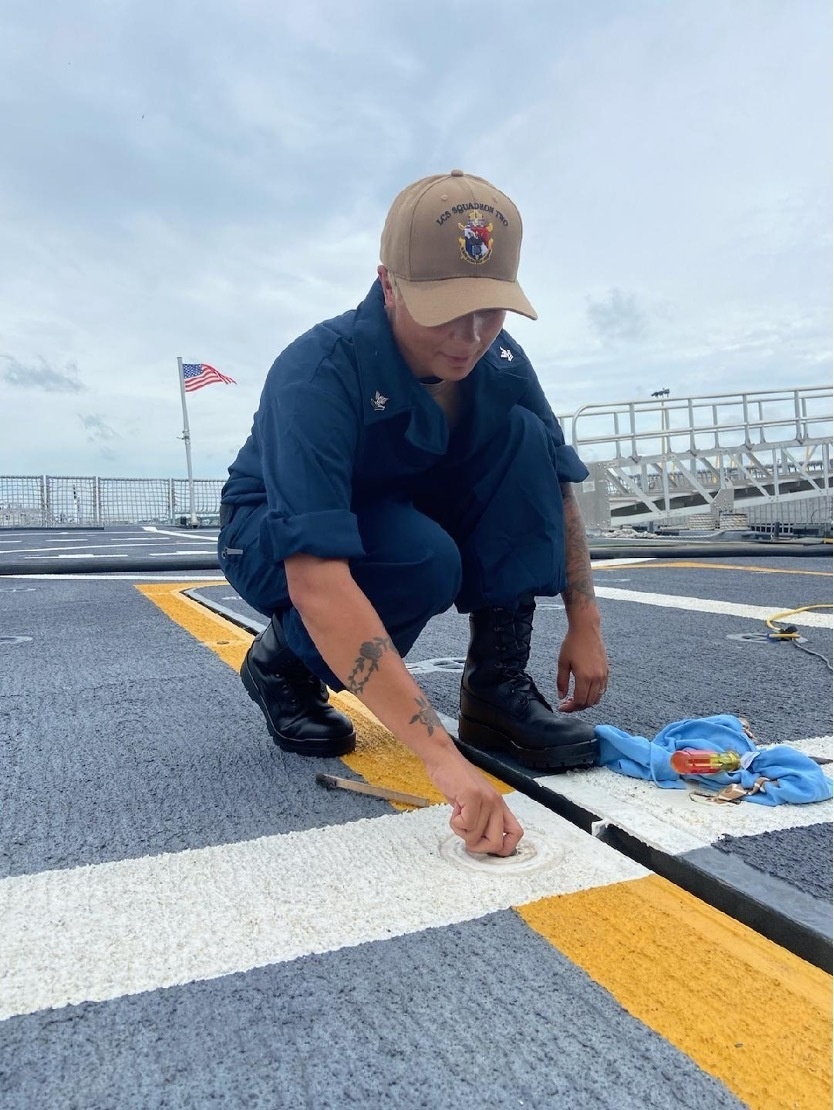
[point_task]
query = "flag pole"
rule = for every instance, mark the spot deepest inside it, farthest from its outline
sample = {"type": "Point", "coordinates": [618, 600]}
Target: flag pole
{"type": "Point", "coordinates": [186, 436]}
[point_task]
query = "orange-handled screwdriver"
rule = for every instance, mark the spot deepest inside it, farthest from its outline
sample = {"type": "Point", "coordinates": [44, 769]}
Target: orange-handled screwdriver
{"type": "Point", "coordinates": [694, 761]}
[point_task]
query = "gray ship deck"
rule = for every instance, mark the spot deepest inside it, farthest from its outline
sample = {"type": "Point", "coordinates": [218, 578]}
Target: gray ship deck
{"type": "Point", "coordinates": [189, 920]}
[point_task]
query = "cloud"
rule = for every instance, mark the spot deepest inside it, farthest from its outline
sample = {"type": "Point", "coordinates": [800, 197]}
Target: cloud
{"type": "Point", "coordinates": [214, 191]}
{"type": "Point", "coordinates": [43, 377]}
{"type": "Point", "coordinates": [617, 317]}
{"type": "Point", "coordinates": [97, 430]}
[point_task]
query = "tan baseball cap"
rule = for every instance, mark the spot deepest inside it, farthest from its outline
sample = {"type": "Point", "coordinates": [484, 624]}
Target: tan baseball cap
{"type": "Point", "coordinates": [453, 241]}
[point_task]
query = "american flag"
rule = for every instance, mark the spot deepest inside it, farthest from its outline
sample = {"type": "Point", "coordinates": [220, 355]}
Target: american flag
{"type": "Point", "coordinates": [198, 374]}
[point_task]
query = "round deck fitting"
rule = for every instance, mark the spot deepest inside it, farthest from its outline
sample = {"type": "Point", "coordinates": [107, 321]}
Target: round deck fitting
{"type": "Point", "coordinates": [760, 638]}
{"type": "Point", "coordinates": [534, 853]}
{"type": "Point", "coordinates": [445, 664]}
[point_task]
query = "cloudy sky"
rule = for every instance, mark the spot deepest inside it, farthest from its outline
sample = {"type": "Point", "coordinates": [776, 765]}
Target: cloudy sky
{"type": "Point", "coordinates": [209, 179]}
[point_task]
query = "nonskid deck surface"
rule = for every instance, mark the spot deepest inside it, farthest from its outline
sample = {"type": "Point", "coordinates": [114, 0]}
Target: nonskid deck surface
{"type": "Point", "coordinates": [116, 548]}
{"type": "Point", "coordinates": [686, 639]}
{"type": "Point", "coordinates": [151, 548]}
{"type": "Point", "coordinates": [188, 919]}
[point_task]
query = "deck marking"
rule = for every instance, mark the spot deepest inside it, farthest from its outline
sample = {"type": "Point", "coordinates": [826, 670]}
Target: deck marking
{"type": "Point", "coordinates": [106, 930]}
{"type": "Point", "coordinates": [80, 550]}
{"type": "Point", "coordinates": [743, 1005]}
{"type": "Point", "coordinates": [669, 820]}
{"type": "Point", "coordinates": [224, 638]}
{"type": "Point", "coordinates": [379, 757]}
{"type": "Point", "coordinates": [705, 605]}
{"type": "Point", "coordinates": [745, 1010]}
{"type": "Point", "coordinates": [204, 537]}
{"type": "Point", "coordinates": [821, 746]}
{"type": "Point", "coordinates": [191, 576]}
{"type": "Point", "coordinates": [675, 564]}
{"type": "Point", "coordinates": [615, 564]}
{"type": "Point", "coordinates": [687, 564]}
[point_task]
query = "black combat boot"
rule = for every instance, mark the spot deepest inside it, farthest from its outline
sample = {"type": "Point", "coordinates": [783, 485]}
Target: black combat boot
{"type": "Point", "coordinates": [501, 709]}
{"type": "Point", "coordinates": [292, 699]}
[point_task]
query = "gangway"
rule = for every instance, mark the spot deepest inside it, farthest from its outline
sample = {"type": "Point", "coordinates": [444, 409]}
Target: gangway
{"type": "Point", "coordinates": [692, 455]}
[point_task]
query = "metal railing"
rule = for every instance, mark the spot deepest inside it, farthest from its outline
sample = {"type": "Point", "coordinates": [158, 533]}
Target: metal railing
{"type": "Point", "coordinates": [648, 459]}
{"type": "Point", "coordinates": [689, 454]}
{"type": "Point", "coordinates": [49, 501]}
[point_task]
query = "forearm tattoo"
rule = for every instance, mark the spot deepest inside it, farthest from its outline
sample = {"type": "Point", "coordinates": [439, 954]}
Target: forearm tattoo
{"type": "Point", "coordinates": [426, 716]}
{"type": "Point", "coordinates": [367, 662]}
{"type": "Point", "coordinates": [580, 588]}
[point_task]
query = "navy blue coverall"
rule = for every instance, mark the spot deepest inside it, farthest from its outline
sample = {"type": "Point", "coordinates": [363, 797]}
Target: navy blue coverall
{"type": "Point", "coordinates": [350, 458]}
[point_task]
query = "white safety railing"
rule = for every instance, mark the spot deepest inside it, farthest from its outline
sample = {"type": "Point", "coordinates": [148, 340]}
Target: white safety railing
{"type": "Point", "coordinates": [84, 502]}
{"type": "Point", "coordinates": [754, 451]}
{"type": "Point", "coordinates": [691, 454]}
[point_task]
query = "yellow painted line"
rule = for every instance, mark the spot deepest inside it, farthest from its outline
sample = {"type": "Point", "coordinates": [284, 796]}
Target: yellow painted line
{"type": "Point", "coordinates": [745, 1010]}
{"type": "Point", "coordinates": [685, 563]}
{"type": "Point", "coordinates": [379, 757]}
{"type": "Point", "coordinates": [213, 631]}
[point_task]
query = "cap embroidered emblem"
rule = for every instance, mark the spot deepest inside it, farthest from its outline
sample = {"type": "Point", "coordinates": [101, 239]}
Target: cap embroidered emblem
{"type": "Point", "coordinates": [476, 241]}
{"type": "Point", "coordinates": [379, 402]}
{"type": "Point", "coordinates": [506, 353]}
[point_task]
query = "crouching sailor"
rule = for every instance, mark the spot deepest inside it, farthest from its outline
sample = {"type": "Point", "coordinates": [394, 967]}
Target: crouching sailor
{"type": "Point", "coordinates": [404, 459]}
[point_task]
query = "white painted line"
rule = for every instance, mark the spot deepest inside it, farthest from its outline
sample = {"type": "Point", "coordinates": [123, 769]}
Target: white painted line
{"type": "Point", "coordinates": [813, 619]}
{"type": "Point", "coordinates": [669, 820]}
{"type": "Point", "coordinates": [112, 553]}
{"type": "Point", "coordinates": [206, 535]}
{"type": "Point", "coordinates": [160, 575]}
{"type": "Point", "coordinates": [86, 555]}
{"type": "Point", "coordinates": [80, 546]}
{"type": "Point", "coordinates": [820, 746]}
{"type": "Point", "coordinates": [104, 931]}
{"type": "Point", "coordinates": [445, 664]}
{"type": "Point", "coordinates": [600, 564]}
{"type": "Point", "coordinates": [80, 531]}
{"type": "Point", "coordinates": [179, 554]}
{"type": "Point", "coordinates": [111, 546]}
{"type": "Point", "coordinates": [31, 550]}
{"type": "Point", "coordinates": [449, 723]}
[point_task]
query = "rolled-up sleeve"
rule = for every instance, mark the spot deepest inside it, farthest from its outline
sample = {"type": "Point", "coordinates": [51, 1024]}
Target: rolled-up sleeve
{"type": "Point", "coordinates": [569, 466]}
{"type": "Point", "coordinates": [331, 534]}
{"type": "Point", "coordinates": [308, 434]}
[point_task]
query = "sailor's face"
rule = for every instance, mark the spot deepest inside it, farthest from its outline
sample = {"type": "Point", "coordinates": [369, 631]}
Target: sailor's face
{"type": "Point", "coordinates": [447, 351]}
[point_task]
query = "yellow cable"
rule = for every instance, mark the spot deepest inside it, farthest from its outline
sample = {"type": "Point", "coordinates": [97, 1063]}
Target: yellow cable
{"type": "Point", "coordinates": [780, 634]}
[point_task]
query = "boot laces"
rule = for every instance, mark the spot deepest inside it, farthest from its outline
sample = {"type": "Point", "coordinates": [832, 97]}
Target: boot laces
{"type": "Point", "coordinates": [513, 629]}
{"type": "Point", "coordinates": [297, 684]}
{"type": "Point", "coordinates": [300, 680]}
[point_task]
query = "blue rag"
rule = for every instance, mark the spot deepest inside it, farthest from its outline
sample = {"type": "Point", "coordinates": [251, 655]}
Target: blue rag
{"type": "Point", "coordinates": [792, 777]}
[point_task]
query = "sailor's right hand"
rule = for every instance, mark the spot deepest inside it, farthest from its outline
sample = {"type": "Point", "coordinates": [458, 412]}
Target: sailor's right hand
{"type": "Point", "coordinates": [480, 816]}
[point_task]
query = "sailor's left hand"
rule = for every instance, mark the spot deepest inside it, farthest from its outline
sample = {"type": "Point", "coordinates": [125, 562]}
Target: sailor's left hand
{"type": "Point", "coordinates": [582, 657]}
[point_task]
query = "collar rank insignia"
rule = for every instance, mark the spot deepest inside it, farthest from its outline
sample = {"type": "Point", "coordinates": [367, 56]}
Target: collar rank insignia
{"type": "Point", "coordinates": [506, 353]}
{"type": "Point", "coordinates": [379, 402]}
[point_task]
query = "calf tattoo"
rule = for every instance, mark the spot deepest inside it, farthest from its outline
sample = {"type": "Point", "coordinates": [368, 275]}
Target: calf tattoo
{"type": "Point", "coordinates": [370, 654]}
{"type": "Point", "coordinates": [426, 716]}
